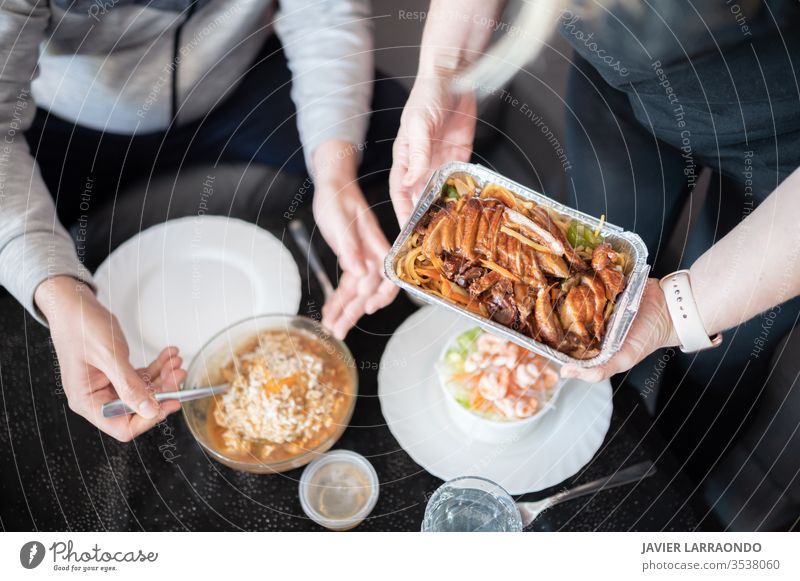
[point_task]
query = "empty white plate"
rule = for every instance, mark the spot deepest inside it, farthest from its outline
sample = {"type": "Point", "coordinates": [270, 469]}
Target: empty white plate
{"type": "Point", "coordinates": [183, 281]}
{"type": "Point", "coordinates": [561, 443]}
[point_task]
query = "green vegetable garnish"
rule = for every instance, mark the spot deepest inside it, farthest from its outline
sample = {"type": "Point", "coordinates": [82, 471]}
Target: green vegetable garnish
{"type": "Point", "coordinates": [454, 357]}
{"type": "Point", "coordinates": [578, 234]}
{"type": "Point", "coordinates": [466, 340]}
{"type": "Point", "coordinates": [449, 192]}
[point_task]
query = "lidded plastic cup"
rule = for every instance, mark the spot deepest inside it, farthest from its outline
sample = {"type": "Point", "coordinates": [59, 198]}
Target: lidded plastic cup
{"type": "Point", "coordinates": [339, 489]}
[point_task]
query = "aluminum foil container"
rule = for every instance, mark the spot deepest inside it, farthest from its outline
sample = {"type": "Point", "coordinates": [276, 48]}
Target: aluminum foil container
{"type": "Point", "coordinates": [627, 303]}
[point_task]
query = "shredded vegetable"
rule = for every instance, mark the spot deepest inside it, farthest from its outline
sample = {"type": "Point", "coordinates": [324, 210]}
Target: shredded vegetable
{"type": "Point", "coordinates": [495, 378]}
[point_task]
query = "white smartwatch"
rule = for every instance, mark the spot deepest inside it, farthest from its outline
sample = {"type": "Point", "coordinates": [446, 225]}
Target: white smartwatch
{"type": "Point", "coordinates": [683, 311]}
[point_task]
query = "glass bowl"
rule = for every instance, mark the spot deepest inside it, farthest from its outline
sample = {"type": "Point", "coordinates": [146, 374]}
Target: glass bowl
{"type": "Point", "coordinates": [206, 369]}
{"type": "Point", "coordinates": [483, 429]}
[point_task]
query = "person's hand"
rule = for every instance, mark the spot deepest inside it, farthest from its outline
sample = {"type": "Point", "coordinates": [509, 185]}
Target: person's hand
{"type": "Point", "coordinates": [353, 233]}
{"type": "Point", "coordinates": [95, 368]}
{"type": "Point", "coordinates": [651, 330]}
{"type": "Point", "coordinates": [436, 126]}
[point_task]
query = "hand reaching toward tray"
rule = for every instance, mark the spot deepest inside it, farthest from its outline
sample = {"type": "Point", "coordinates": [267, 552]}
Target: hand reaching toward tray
{"type": "Point", "coordinates": [352, 231]}
{"type": "Point", "coordinates": [93, 360]}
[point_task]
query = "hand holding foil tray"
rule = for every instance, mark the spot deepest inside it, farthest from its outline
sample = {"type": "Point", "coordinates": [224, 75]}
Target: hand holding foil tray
{"type": "Point", "coordinates": [483, 239]}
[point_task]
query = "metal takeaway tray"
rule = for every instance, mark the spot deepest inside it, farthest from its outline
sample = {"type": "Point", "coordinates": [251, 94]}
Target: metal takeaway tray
{"type": "Point", "coordinates": [627, 303]}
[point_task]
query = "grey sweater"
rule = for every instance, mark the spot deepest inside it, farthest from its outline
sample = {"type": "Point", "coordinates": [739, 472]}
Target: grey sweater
{"type": "Point", "coordinates": [108, 64]}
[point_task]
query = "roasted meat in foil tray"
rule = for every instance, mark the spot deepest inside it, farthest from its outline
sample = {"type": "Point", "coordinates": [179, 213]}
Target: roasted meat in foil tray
{"type": "Point", "coordinates": [521, 265]}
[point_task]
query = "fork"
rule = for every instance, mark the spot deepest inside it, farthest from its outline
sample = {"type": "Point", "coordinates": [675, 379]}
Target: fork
{"type": "Point", "coordinates": [531, 510]}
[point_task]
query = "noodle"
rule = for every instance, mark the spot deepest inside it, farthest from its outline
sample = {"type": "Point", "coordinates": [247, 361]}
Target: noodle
{"type": "Point", "coordinates": [433, 260]}
{"type": "Point", "coordinates": [499, 270]}
{"type": "Point", "coordinates": [524, 240]}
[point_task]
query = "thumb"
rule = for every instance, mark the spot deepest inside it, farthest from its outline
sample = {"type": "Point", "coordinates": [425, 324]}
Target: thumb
{"type": "Point", "coordinates": [398, 191]}
{"type": "Point", "coordinates": [419, 150]}
{"type": "Point", "coordinates": [588, 374]}
{"type": "Point", "coordinates": [132, 389]}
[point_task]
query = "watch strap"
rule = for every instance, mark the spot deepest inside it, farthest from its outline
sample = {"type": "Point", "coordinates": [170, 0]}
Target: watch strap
{"type": "Point", "coordinates": [682, 307]}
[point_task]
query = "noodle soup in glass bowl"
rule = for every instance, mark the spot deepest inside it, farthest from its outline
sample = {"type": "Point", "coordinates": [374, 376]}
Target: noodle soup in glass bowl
{"type": "Point", "coordinates": [495, 391]}
{"type": "Point", "coordinates": [293, 387]}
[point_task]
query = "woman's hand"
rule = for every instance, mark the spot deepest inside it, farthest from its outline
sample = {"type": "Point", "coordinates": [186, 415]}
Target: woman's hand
{"type": "Point", "coordinates": [436, 126]}
{"type": "Point", "coordinates": [351, 229]}
{"type": "Point", "coordinates": [93, 358]}
{"type": "Point", "coordinates": [652, 329]}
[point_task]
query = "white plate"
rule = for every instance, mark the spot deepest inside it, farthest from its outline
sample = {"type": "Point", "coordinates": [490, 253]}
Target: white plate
{"type": "Point", "coordinates": [414, 407]}
{"type": "Point", "coordinates": [181, 282]}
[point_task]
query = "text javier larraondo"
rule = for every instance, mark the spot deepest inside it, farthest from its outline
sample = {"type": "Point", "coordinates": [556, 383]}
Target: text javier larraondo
{"type": "Point", "coordinates": [67, 557]}
{"type": "Point", "coordinates": [701, 547]}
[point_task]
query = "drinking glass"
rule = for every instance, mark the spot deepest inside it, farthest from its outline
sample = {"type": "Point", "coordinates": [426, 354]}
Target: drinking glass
{"type": "Point", "coordinates": [471, 504]}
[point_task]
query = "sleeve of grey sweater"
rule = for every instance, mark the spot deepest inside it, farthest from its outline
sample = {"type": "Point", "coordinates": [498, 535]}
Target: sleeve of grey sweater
{"type": "Point", "coordinates": [328, 45]}
{"type": "Point", "coordinates": [33, 244]}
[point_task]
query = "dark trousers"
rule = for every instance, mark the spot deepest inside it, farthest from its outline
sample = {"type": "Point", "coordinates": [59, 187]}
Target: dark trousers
{"type": "Point", "coordinates": [254, 127]}
{"type": "Point", "coordinates": [625, 170]}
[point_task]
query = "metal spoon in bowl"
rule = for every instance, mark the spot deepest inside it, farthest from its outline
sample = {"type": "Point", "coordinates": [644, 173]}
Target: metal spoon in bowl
{"type": "Point", "coordinates": [530, 510]}
{"type": "Point", "coordinates": [117, 407]}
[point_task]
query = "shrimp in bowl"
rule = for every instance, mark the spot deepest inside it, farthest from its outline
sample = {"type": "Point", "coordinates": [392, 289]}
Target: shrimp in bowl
{"type": "Point", "coordinates": [495, 389]}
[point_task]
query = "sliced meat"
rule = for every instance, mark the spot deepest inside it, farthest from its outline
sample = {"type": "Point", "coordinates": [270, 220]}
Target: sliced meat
{"type": "Point", "coordinates": [451, 264]}
{"type": "Point", "coordinates": [545, 221]}
{"type": "Point", "coordinates": [502, 314]}
{"type": "Point", "coordinates": [484, 283]}
{"type": "Point", "coordinates": [503, 290]}
{"type": "Point", "coordinates": [471, 215]}
{"type": "Point", "coordinates": [465, 279]}
{"type": "Point", "coordinates": [525, 300]}
{"type": "Point", "coordinates": [448, 234]}
{"type": "Point", "coordinates": [574, 347]}
{"type": "Point", "coordinates": [598, 295]}
{"type": "Point", "coordinates": [555, 297]}
{"type": "Point", "coordinates": [603, 258]}
{"type": "Point", "coordinates": [432, 245]}
{"type": "Point", "coordinates": [613, 281]}
{"type": "Point", "coordinates": [581, 311]}
{"type": "Point", "coordinates": [576, 311]}
{"type": "Point", "coordinates": [552, 264]}
{"type": "Point", "coordinates": [495, 223]}
{"type": "Point", "coordinates": [535, 231]}
{"type": "Point", "coordinates": [548, 328]}
{"type": "Point", "coordinates": [502, 306]}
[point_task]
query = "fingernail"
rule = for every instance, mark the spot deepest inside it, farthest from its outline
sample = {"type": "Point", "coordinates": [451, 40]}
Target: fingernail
{"type": "Point", "coordinates": [148, 409]}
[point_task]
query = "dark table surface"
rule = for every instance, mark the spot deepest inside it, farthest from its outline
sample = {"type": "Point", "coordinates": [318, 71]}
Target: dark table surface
{"type": "Point", "coordinates": [58, 473]}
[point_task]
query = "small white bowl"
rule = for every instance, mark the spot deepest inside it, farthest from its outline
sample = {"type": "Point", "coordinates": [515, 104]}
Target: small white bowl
{"type": "Point", "coordinates": [350, 483]}
{"type": "Point", "coordinates": [483, 429]}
